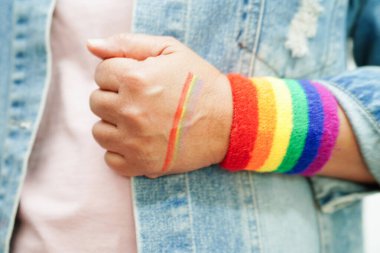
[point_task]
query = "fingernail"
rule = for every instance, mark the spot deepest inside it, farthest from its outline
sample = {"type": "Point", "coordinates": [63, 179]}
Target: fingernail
{"type": "Point", "coordinates": [96, 42]}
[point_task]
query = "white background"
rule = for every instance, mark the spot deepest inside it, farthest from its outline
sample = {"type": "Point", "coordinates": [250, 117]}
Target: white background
{"type": "Point", "coordinates": [371, 204]}
{"type": "Point", "coordinates": [372, 224]}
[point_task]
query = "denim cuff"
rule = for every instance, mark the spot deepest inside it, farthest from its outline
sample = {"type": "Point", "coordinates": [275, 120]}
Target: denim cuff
{"type": "Point", "coordinates": [361, 110]}
{"type": "Point", "coordinates": [349, 89]}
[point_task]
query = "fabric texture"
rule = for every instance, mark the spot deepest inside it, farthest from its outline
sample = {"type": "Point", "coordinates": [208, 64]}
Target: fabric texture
{"type": "Point", "coordinates": [177, 213]}
{"type": "Point", "coordinates": [71, 201]}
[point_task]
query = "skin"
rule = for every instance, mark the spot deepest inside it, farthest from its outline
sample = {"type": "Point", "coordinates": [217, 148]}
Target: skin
{"type": "Point", "coordinates": [140, 80]}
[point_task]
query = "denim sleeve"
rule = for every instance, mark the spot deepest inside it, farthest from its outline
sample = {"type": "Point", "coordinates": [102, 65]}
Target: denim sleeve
{"type": "Point", "coordinates": [358, 93]}
{"type": "Point", "coordinates": [364, 28]}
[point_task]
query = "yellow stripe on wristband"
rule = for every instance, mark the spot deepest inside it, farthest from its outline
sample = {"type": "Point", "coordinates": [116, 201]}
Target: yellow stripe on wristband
{"type": "Point", "coordinates": [284, 125]}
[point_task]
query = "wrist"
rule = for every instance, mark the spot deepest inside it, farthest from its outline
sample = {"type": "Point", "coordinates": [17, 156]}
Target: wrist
{"type": "Point", "coordinates": [222, 111]}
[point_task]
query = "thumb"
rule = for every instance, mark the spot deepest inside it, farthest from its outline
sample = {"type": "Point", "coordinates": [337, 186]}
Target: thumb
{"type": "Point", "coordinates": [135, 46]}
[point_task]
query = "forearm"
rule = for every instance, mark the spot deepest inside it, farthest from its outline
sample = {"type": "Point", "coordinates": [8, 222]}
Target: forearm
{"type": "Point", "coordinates": [346, 161]}
{"type": "Point", "coordinates": [306, 133]}
{"type": "Point", "coordinates": [337, 151]}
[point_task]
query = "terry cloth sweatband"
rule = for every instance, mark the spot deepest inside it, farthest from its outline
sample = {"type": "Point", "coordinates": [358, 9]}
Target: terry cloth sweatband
{"type": "Point", "coordinates": [281, 125]}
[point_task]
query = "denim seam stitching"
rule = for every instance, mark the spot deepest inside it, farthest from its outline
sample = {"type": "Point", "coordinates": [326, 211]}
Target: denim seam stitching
{"type": "Point", "coordinates": [256, 211]}
{"type": "Point", "coordinates": [257, 38]}
{"type": "Point", "coordinates": [245, 27]}
{"type": "Point", "coordinates": [49, 18]}
{"type": "Point", "coordinates": [322, 234]}
{"type": "Point", "coordinates": [243, 178]}
{"type": "Point", "coordinates": [187, 18]}
{"type": "Point", "coordinates": [193, 246]}
{"type": "Point", "coordinates": [327, 53]}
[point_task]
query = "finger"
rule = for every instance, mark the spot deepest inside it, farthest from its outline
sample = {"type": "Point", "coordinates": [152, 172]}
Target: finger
{"type": "Point", "coordinates": [110, 74]}
{"type": "Point", "coordinates": [136, 46]}
{"type": "Point", "coordinates": [107, 136]}
{"type": "Point", "coordinates": [119, 164]}
{"type": "Point", "coordinates": [104, 104]}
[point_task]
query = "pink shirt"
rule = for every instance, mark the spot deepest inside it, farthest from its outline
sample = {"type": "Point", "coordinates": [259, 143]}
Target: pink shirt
{"type": "Point", "coordinates": [71, 201]}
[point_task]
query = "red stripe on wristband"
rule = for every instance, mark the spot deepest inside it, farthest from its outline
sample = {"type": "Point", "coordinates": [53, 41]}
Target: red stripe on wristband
{"type": "Point", "coordinates": [244, 123]}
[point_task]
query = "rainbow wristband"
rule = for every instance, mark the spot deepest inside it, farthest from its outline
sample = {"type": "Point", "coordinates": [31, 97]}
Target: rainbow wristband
{"type": "Point", "coordinates": [281, 125]}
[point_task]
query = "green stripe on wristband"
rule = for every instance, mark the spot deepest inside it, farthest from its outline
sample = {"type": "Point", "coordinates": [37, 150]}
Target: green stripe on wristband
{"type": "Point", "coordinates": [300, 126]}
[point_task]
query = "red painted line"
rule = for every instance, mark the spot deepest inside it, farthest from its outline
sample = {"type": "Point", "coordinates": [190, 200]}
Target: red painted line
{"type": "Point", "coordinates": [174, 130]}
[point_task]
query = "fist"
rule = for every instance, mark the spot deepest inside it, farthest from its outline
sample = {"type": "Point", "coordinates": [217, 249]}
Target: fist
{"type": "Point", "coordinates": [163, 109]}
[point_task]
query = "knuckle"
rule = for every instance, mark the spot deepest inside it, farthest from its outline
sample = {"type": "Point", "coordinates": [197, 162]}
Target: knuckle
{"type": "Point", "coordinates": [119, 165]}
{"type": "Point", "coordinates": [122, 37]}
{"type": "Point", "coordinates": [170, 40]}
{"type": "Point", "coordinates": [152, 176]}
{"type": "Point", "coordinates": [97, 131]}
{"type": "Point", "coordinates": [94, 100]}
{"type": "Point", "coordinates": [107, 71]}
{"type": "Point", "coordinates": [93, 95]}
{"type": "Point", "coordinates": [137, 78]}
{"type": "Point", "coordinates": [100, 72]}
{"type": "Point", "coordinates": [103, 136]}
{"type": "Point", "coordinates": [106, 137]}
{"type": "Point", "coordinates": [168, 45]}
{"type": "Point", "coordinates": [132, 113]}
{"type": "Point", "coordinates": [114, 163]}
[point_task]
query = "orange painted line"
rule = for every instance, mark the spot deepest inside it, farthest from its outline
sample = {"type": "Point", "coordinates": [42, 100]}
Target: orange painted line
{"type": "Point", "coordinates": [177, 117]}
{"type": "Point", "coordinates": [182, 117]}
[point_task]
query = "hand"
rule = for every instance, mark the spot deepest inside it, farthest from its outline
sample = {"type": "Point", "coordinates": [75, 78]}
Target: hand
{"type": "Point", "coordinates": [141, 80]}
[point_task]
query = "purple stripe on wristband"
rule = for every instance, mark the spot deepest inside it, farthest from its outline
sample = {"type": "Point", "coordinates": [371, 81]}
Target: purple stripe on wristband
{"type": "Point", "coordinates": [330, 132]}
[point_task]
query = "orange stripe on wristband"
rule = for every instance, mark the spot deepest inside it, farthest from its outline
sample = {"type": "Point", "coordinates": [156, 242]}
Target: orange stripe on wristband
{"type": "Point", "coordinates": [284, 125]}
{"type": "Point", "coordinates": [267, 123]}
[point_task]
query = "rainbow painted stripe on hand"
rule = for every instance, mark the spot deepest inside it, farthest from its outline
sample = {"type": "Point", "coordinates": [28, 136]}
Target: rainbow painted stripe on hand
{"type": "Point", "coordinates": [281, 125]}
{"type": "Point", "coordinates": [185, 110]}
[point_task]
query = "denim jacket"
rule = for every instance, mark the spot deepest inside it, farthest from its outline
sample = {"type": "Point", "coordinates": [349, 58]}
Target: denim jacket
{"type": "Point", "coordinates": [211, 210]}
